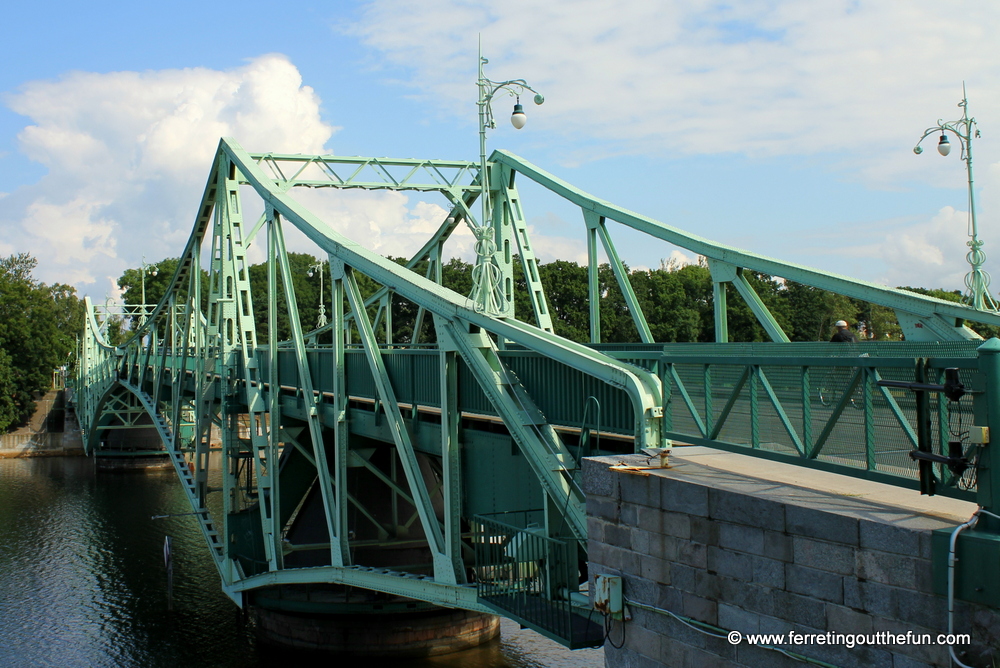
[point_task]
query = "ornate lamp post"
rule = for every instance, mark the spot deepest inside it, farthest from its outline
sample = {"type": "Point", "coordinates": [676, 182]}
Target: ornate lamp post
{"type": "Point", "coordinates": [321, 318]}
{"type": "Point", "coordinates": [108, 301]}
{"type": "Point", "coordinates": [977, 281]}
{"type": "Point", "coordinates": [487, 293]}
{"type": "Point", "coordinates": [151, 268]}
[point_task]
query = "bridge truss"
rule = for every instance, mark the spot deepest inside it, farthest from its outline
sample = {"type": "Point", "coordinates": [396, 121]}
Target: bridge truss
{"type": "Point", "coordinates": [427, 471]}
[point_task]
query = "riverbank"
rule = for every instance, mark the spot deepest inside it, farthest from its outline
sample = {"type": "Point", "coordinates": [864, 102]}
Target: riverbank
{"type": "Point", "coordinates": [52, 431]}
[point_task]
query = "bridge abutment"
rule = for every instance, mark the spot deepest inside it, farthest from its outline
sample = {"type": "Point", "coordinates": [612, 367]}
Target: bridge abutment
{"type": "Point", "coordinates": [722, 542]}
{"type": "Point", "coordinates": [51, 431]}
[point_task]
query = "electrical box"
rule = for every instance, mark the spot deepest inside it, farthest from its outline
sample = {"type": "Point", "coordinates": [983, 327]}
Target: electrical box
{"type": "Point", "coordinates": [608, 595]}
{"type": "Point", "coordinates": [979, 435]}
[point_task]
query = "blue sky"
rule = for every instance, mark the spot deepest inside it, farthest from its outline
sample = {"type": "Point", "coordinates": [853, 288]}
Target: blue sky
{"type": "Point", "coordinates": [782, 127]}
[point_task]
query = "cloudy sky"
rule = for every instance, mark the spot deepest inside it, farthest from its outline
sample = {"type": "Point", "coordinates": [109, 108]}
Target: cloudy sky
{"type": "Point", "coordinates": [783, 127]}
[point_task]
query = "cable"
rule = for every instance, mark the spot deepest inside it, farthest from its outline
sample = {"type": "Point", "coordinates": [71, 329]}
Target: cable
{"type": "Point", "coordinates": [716, 632]}
{"type": "Point", "coordinates": [970, 478]}
{"type": "Point", "coordinates": [607, 632]}
{"type": "Point", "coordinates": [952, 548]}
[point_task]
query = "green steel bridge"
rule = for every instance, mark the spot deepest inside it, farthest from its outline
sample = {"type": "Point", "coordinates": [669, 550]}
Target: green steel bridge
{"type": "Point", "coordinates": [448, 473]}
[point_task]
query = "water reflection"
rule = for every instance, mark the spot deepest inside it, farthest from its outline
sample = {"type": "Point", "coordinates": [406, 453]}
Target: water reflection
{"type": "Point", "coordinates": [82, 582]}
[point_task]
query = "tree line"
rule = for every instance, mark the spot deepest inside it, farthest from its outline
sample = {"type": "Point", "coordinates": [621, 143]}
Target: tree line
{"type": "Point", "coordinates": [39, 325]}
{"type": "Point", "coordinates": [677, 300]}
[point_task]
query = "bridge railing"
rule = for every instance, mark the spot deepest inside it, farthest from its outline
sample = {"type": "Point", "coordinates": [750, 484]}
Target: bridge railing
{"type": "Point", "coordinates": [786, 402]}
{"type": "Point", "coordinates": [813, 404]}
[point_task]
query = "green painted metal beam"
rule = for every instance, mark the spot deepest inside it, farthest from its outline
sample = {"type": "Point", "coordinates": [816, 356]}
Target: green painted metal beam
{"type": "Point", "coordinates": [642, 386]}
{"type": "Point", "coordinates": [918, 305]}
{"type": "Point", "coordinates": [552, 463]}
{"type": "Point", "coordinates": [596, 222]}
{"type": "Point", "coordinates": [443, 568]}
{"type": "Point", "coordinates": [345, 172]}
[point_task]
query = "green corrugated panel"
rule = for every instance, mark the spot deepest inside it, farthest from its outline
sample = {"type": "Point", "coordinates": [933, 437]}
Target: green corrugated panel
{"type": "Point", "coordinates": [471, 397]}
{"type": "Point", "coordinates": [359, 375]}
{"type": "Point", "coordinates": [561, 393]}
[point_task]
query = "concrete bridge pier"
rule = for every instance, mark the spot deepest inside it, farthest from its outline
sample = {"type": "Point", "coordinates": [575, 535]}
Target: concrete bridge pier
{"type": "Point", "coordinates": [132, 448]}
{"type": "Point", "coordinates": [355, 622]}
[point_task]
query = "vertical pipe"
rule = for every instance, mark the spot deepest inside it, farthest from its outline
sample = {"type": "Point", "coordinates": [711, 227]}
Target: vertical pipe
{"type": "Point", "coordinates": [869, 414]}
{"type": "Point", "coordinates": [806, 412]}
{"type": "Point", "coordinates": [451, 461]}
{"type": "Point", "coordinates": [709, 411]}
{"type": "Point", "coordinates": [988, 408]}
{"type": "Point", "coordinates": [924, 435]}
{"type": "Point", "coordinates": [340, 552]}
{"type": "Point", "coordinates": [273, 379]}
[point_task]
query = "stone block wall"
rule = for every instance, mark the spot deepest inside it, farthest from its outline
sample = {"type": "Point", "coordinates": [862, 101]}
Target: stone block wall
{"type": "Point", "coordinates": [754, 555]}
{"type": "Point", "coordinates": [36, 439]}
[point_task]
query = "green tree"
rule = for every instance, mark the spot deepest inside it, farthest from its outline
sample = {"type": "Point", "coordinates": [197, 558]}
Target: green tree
{"type": "Point", "coordinates": [696, 282]}
{"type": "Point", "coordinates": [157, 280]}
{"type": "Point", "coordinates": [566, 291]}
{"type": "Point", "coordinates": [38, 328]}
{"type": "Point", "coordinates": [9, 411]}
{"type": "Point", "coordinates": [671, 316]}
{"type": "Point", "coordinates": [813, 311]}
{"type": "Point", "coordinates": [306, 291]}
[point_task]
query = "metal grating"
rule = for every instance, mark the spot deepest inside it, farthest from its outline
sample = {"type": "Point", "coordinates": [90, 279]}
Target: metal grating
{"type": "Point", "coordinates": [527, 576]}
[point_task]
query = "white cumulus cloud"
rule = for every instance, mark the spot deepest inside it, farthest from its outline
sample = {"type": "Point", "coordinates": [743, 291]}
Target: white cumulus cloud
{"type": "Point", "coordinates": [128, 153]}
{"type": "Point", "coordinates": [676, 77]}
{"type": "Point", "coordinates": [848, 84]}
{"type": "Point", "coordinates": [934, 250]}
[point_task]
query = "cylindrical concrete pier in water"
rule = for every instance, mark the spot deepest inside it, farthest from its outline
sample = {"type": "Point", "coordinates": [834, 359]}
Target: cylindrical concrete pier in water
{"type": "Point", "coordinates": [354, 622]}
{"type": "Point", "coordinates": [126, 464]}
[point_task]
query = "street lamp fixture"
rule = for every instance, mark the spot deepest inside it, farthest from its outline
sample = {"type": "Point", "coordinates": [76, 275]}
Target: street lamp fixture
{"type": "Point", "coordinates": [487, 293]}
{"type": "Point", "coordinates": [944, 146]}
{"type": "Point", "coordinates": [977, 281]}
{"type": "Point", "coordinates": [313, 269]}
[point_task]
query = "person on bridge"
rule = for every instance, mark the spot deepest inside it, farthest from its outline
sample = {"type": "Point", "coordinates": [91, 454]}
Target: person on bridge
{"type": "Point", "coordinates": [843, 334]}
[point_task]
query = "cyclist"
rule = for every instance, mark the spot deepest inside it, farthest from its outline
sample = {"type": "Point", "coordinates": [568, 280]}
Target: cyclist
{"type": "Point", "coordinates": [843, 334]}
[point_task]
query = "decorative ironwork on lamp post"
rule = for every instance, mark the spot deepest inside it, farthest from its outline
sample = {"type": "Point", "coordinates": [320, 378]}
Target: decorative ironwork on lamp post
{"type": "Point", "coordinates": [151, 268]}
{"type": "Point", "coordinates": [108, 302]}
{"type": "Point", "coordinates": [321, 318]}
{"type": "Point", "coordinates": [487, 292]}
{"type": "Point", "coordinates": [977, 281]}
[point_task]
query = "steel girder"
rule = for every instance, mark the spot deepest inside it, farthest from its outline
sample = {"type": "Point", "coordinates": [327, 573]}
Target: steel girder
{"type": "Point", "coordinates": [179, 362]}
{"type": "Point", "coordinates": [923, 318]}
{"type": "Point", "coordinates": [210, 365]}
{"type": "Point", "coordinates": [643, 387]}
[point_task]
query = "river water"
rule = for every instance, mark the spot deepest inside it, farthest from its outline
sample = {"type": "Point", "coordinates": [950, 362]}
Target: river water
{"type": "Point", "coordinates": [82, 583]}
